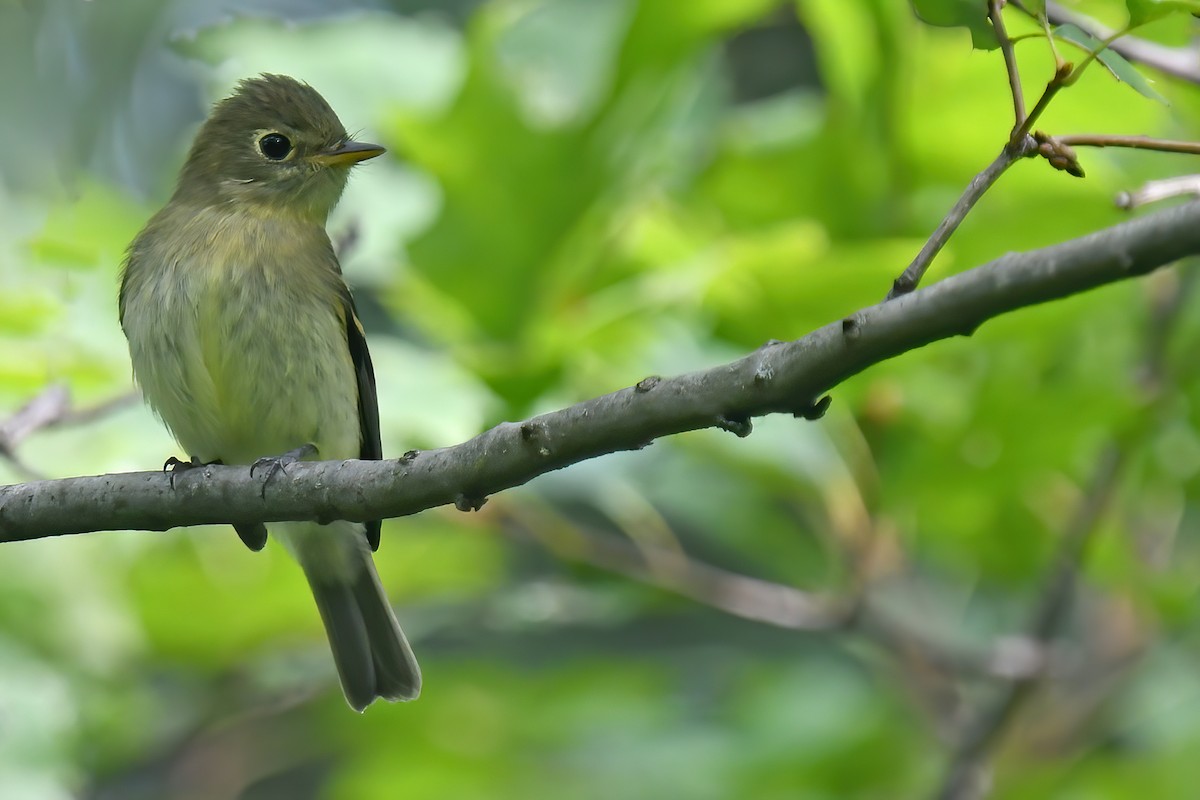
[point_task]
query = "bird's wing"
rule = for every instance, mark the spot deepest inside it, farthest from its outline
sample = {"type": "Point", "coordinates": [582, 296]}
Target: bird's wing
{"type": "Point", "coordinates": [368, 400]}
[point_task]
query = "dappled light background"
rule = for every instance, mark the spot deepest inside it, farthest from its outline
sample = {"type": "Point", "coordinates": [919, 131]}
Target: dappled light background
{"type": "Point", "coordinates": [578, 194]}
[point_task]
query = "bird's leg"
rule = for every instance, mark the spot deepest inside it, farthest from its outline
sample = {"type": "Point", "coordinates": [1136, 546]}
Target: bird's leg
{"type": "Point", "coordinates": [176, 467]}
{"type": "Point", "coordinates": [280, 463]}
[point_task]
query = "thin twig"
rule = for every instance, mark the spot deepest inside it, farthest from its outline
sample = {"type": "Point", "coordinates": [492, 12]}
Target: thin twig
{"type": "Point", "coordinates": [911, 277]}
{"type": "Point", "coordinates": [1010, 60]}
{"type": "Point", "coordinates": [1019, 145]}
{"type": "Point", "coordinates": [1061, 78]}
{"type": "Point", "coordinates": [1135, 142]}
{"type": "Point", "coordinates": [1065, 74]}
{"type": "Point", "coordinates": [1060, 150]}
{"type": "Point", "coordinates": [1049, 34]}
{"type": "Point", "coordinates": [1093, 55]}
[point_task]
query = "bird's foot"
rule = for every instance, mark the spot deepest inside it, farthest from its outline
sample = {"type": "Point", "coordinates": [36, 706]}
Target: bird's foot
{"type": "Point", "coordinates": [176, 467]}
{"type": "Point", "coordinates": [280, 463]}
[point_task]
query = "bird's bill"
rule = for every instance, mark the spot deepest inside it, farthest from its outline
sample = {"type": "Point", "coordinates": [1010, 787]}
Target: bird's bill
{"type": "Point", "coordinates": [347, 153]}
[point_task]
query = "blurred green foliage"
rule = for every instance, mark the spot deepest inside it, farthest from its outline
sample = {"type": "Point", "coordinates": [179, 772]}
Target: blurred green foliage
{"type": "Point", "coordinates": [582, 193]}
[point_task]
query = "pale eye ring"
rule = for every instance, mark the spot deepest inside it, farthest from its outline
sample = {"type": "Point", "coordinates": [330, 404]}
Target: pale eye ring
{"type": "Point", "coordinates": [275, 146]}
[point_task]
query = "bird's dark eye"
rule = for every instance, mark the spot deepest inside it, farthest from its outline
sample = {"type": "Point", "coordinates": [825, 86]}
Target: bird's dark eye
{"type": "Point", "coordinates": [275, 146]}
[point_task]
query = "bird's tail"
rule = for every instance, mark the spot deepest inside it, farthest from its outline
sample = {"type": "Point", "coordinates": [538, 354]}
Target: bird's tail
{"type": "Point", "coordinates": [372, 656]}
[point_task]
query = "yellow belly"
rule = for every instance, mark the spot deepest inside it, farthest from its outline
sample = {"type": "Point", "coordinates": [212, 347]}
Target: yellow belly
{"type": "Point", "coordinates": [244, 360]}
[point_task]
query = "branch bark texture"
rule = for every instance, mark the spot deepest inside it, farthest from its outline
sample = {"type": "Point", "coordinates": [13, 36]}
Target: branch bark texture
{"type": "Point", "coordinates": [783, 377]}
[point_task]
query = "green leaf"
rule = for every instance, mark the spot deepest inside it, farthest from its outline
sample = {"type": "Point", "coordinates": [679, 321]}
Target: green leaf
{"type": "Point", "coordinates": [1143, 11]}
{"type": "Point", "coordinates": [969, 14]}
{"type": "Point", "coordinates": [1036, 7]}
{"type": "Point", "coordinates": [1113, 61]}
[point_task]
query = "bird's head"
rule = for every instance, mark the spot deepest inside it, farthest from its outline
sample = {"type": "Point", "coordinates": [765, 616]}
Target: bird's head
{"type": "Point", "coordinates": [275, 144]}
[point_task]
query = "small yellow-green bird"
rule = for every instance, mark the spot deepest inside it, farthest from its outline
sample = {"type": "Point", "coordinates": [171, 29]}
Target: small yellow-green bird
{"type": "Point", "coordinates": [244, 340]}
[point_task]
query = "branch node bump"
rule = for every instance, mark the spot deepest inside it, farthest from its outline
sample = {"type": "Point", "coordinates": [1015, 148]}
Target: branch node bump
{"type": "Point", "coordinates": [739, 426]}
{"type": "Point", "coordinates": [771, 343]}
{"type": "Point", "coordinates": [646, 384]}
{"type": "Point", "coordinates": [1023, 147]}
{"type": "Point", "coordinates": [534, 433]}
{"type": "Point", "coordinates": [764, 373]}
{"type": "Point", "coordinates": [469, 502]}
{"type": "Point", "coordinates": [409, 457]}
{"type": "Point", "coordinates": [900, 287]}
{"type": "Point", "coordinates": [814, 410]}
{"type": "Point", "coordinates": [851, 327]}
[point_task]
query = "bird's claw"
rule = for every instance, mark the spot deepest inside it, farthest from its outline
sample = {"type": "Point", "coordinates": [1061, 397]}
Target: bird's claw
{"type": "Point", "coordinates": [175, 466]}
{"type": "Point", "coordinates": [280, 463]}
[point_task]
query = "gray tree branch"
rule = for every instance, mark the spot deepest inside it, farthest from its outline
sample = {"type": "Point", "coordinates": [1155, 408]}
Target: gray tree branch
{"type": "Point", "coordinates": [782, 377]}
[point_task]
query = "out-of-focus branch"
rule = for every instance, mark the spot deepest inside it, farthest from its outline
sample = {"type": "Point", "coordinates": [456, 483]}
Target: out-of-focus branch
{"type": "Point", "coordinates": [674, 571]}
{"type": "Point", "coordinates": [964, 777]}
{"type": "Point", "coordinates": [767, 602]}
{"type": "Point", "coordinates": [1159, 190]}
{"type": "Point", "coordinates": [44, 409]}
{"type": "Point", "coordinates": [51, 408]}
{"type": "Point", "coordinates": [1179, 62]}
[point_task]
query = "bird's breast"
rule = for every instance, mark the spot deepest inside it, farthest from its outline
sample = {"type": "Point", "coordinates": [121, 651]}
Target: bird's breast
{"type": "Point", "coordinates": [238, 340]}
